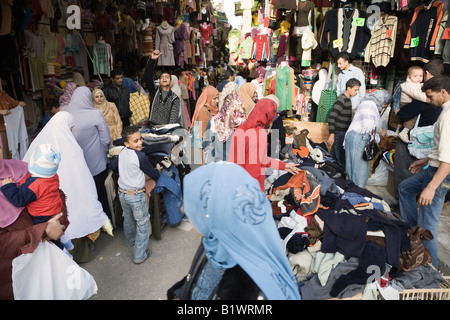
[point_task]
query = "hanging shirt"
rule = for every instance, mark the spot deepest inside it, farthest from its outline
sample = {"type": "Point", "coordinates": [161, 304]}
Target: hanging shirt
{"type": "Point", "coordinates": [422, 34]}
{"type": "Point", "coordinates": [260, 48]}
{"type": "Point", "coordinates": [381, 46]}
{"type": "Point", "coordinates": [101, 59]}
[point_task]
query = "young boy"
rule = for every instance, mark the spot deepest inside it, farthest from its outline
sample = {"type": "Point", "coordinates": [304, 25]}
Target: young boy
{"type": "Point", "coordinates": [132, 165]}
{"type": "Point", "coordinates": [411, 90]}
{"type": "Point", "coordinates": [340, 118]}
{"type": "Point", "coordinates": [39, 190]}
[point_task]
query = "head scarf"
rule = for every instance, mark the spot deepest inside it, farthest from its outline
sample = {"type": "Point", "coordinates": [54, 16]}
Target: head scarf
{"type": "Point", "coordinates": [246, 93]}
{"type": "Point", "coordinates": [231, 116]}
{"type": "Point", "coordinates": [239, 81]}
{"type": "Point", "coordinates": [102, 107]}
{"type": "Point", "coordinates": [64, 99]}
{"type": "Point", "coordinates": [230, 87]}
{"type": "Point", "coordinates": [85, 211]}
{"type": "Point", "coordinates": [16, 170]}
{"type": "Point", "coordinates": [367, 114]}
{"type": "Point", "coordinates": [81, 99]}
{"type": "Point", "coordinates": [205, 99]}
{"type": "Point", "coordinates": [273, 98]}
{"type": "Point", "coordinates": [176, 87]}
{"type": "Point", "coordinates": [78, 79]}
{"type": "Point", "coordinates": [227, 207]}
{"type": "Point", "coordinates": [380, 97]}
{"type": "Point", "coordinates": [260, 71]}
{"type": "Point", "coordinates": [262, 115]}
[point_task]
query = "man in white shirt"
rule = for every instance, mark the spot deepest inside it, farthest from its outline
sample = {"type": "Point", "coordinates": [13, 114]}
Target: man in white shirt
{"type": "Point", "coordinates": [436, 177]}
{"type": "Point", "coordinates": [349, 71]}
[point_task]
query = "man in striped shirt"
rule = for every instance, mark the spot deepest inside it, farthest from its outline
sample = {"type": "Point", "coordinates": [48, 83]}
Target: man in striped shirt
{"type": "Point", "coordinates": [340, 118]}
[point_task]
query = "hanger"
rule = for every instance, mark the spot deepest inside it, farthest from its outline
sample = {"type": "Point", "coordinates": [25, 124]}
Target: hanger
{"type": "Point", "coordinates": [348, 6]}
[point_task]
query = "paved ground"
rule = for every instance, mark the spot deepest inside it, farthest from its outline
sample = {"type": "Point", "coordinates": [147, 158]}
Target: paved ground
{"type": "Point", "coordinates": [119, 279]}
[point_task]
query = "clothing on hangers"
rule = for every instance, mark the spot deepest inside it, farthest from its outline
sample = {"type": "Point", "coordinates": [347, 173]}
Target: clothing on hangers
{"type": "Point", "coordinates": [424, 27]}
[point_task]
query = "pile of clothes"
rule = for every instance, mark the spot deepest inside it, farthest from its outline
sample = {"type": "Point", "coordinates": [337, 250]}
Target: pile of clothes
{"type": "Point", "coordinates": [341, 239]}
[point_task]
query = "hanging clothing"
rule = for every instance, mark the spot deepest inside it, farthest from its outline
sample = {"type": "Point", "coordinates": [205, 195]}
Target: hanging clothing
{"type": "Point", "coordinates": [380, 48]}
{"type": "Point", "coordinates": [244, 51]}
{"type": "Point", "coordinates": [260, 48]}
{"type": "Point", "coordinates": [424, 27]}
{"type": "Point", "coordinates": [16, 132]}
{"type": "Point", "coordinates": [164, 41]}
{"type": "Point", "coordinates": [340, 34]}
{"type": "Point", "coordinates": [76, 181]}
{"type": "Point", "coordinates": [181, 35]}
{"type": "Point", "coordinates": [101, 59]}
{"type": "Point", "coordinates": [284, 87]}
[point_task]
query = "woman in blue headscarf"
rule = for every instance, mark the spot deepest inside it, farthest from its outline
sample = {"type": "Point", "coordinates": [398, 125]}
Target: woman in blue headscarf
{"type": "Point", "coordinates": [241, 256]}
{"type": "Point", "coordinates": [365, 122]}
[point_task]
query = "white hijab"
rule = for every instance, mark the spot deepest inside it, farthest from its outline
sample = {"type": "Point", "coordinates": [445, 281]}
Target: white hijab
{"type": "Point", "coordinates": [84, 210]}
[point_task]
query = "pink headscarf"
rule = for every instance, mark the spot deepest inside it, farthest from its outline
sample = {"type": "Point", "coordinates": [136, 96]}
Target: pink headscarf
{"type": "Point", "coordinates": [16, 170]}
{"type": "Point", "coordinates": [231, 116]}
{"type": "Point", "coordinates": [64, 99]}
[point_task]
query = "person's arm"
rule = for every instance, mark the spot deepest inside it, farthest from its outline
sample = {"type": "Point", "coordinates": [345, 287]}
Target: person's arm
{"type": "Point", "coordinates": [334, 114]}
{"type": "Point", "coordinates": [103, 131]}
{"type": "Point", "coordinates": [427, 194]}
{"type": "Point", "coordinates": [149, 71]}
{"type": "Point", "coordinates": [19, 197]}
{"type": "Point", "coordinates": [146, 166]}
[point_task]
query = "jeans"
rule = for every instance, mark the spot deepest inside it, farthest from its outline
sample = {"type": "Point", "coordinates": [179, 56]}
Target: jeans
{"type": "Point", "coordinates": [136, 223]}
{"type": "Point", "coordinates": [426, 217]}
{"type": "Point", "coordinates": [358, 169]}
{"type": "Point", "coordinates": [338, 151]}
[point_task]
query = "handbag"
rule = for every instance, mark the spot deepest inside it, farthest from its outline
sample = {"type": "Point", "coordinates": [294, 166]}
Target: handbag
{"type": "Point", "coordinates": [417, 255]}
{"type": "Point", "coordinates": [422, 140]}
{"type": "Point", "coordinates": [371, 149]}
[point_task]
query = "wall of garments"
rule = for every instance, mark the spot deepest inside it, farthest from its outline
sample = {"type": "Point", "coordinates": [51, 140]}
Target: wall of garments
{"type": "Point", "coordinates": [296, 39]}
{"type": "Point", "coordinates": [41, 53]}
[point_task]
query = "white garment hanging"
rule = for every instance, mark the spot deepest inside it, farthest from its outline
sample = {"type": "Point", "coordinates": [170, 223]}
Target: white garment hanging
{"type": "Point", "coordinates": [85, 212]}
{"type": "Point", "coordinates": [16, 131]}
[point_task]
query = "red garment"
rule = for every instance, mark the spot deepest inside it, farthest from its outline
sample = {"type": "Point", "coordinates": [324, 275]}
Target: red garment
{"type": "Point", "coordinates": [260, 48]}
{"type": "Point", "coordinates": [48, 201]}
{"type": "Point", "coordinates": [205, 31]}
{"type": "Point", "coordinates": [249, 142]}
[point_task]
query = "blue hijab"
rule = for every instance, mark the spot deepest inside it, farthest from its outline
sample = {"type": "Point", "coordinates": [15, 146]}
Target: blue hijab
{"type": "Point", "coordinates": [227, 206]}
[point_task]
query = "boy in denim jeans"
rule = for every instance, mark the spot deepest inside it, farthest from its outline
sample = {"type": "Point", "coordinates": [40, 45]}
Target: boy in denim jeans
{"type": "Point", "coordinates": [132, 165]}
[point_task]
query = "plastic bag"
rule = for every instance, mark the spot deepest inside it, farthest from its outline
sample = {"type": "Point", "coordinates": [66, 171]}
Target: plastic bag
{"type": "Point", "coordinates": [49, 274]}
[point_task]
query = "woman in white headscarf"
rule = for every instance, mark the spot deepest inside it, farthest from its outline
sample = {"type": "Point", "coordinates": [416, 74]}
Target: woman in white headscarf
{"type": "Point", "coordinates": [365, 122]}
{"type": "Point", "coordinates": [86, 214]}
